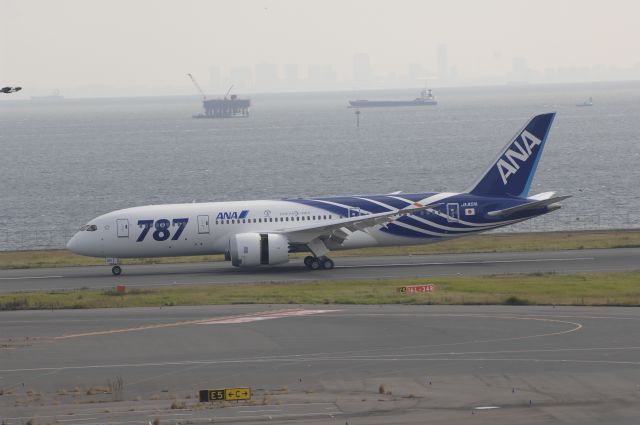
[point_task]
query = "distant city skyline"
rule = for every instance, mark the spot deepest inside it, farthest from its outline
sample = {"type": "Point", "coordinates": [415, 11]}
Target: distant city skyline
{"type": "Point", "coordinates": [96, 48]}
{"type": "Point", "coordinates": [269, 77]}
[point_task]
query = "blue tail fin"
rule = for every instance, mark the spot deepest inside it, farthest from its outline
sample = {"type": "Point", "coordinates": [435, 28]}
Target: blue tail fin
{"type": "Point", "coordinates": [512, 172]}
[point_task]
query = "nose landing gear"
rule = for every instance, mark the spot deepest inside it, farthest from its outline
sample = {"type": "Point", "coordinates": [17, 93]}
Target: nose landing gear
{"type": "Point", "coordinates": [116, 269]}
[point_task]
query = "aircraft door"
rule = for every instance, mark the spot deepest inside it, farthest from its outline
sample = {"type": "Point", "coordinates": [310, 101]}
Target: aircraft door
{"type": "Point", "coordinates": [123, 227]}
{"type": "Point", "coordinates": [453, 212]}
{"type": "Point", "coordinates": [203, 224]}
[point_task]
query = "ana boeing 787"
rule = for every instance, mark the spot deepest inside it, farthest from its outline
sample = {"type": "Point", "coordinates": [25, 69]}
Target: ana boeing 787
{"type": "Point", "coordinates": [263, 233]}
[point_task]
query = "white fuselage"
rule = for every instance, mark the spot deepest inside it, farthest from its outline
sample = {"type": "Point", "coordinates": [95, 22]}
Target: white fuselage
{"type": "Point", "coordinates": [208, 228]}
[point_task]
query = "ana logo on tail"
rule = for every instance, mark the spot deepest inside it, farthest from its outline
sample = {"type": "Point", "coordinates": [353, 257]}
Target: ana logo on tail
{"type": "Point", "coordinates": [508, 163]}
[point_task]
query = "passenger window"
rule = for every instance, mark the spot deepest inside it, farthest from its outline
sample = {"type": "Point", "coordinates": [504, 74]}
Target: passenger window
{"type": "Point", "coordinates": [286, 218]}
{"type": "Point", "coordinates": [270, 220]}
{"type": "Point", "coordinates": [259, 220]}
{"type": "Point", "coordinates": [254, 220]}
{"type": "Point", "coordinates": [302, 218]}
{"type": "Point", "coordinates": [227, 221]}
{"type": "Point", "coordinates": [297, 218]}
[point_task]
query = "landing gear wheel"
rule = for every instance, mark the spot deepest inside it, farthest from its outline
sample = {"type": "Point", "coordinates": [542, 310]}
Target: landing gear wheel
{"type": "Point", "coordinates": [308, 260]}
{"type": "Point", "coordinates": [116, 270]}
{"type": "Point", "coordinates": [328, 264]}
{"type": "Point", "coordinates": [315, 264]}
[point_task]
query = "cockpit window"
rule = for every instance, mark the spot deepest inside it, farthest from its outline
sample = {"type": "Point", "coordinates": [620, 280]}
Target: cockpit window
{"type": "Point", "coordinates": [89, 228]}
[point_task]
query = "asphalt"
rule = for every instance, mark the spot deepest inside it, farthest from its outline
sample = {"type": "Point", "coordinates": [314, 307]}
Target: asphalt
{"type": "Point", "coordinates": [588, 260]}
{"type": "Point", "coordinates": [323, 365]}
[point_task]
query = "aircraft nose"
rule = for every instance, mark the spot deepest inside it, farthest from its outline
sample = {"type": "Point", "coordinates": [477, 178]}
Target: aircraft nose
{"type": "Point", "coordinates": [74, 244]}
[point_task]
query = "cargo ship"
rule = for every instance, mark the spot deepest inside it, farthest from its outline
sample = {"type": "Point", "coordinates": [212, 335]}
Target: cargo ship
{"type": "Point", "coordinates": [53, 97]}
{"type": "Point", "coordinates": [426, 99]}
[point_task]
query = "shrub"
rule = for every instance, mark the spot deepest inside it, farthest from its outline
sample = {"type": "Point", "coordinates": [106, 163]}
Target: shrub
{"type": "Point", "coordinates": [513, 300]}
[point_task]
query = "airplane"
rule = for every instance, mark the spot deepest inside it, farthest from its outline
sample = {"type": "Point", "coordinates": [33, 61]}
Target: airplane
{"type": "Point", "coordinates": [10, 89]}
{"type": "Point", "coordinates": [263, 233]}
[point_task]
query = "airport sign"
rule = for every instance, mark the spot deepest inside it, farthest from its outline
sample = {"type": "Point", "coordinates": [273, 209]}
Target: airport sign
{"type": "Point", "coordinates": [415, 289]}
{"type": "Point", "coordinates": [237, 394]}
{"type": "Point", "coordinates": [211, 395]}
{"type": "Point", "coordinates": [224, 394]}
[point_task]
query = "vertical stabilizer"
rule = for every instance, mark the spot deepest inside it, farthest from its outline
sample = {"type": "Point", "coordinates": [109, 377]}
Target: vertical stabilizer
{"type": "Point", "coordinates": [512, 172]}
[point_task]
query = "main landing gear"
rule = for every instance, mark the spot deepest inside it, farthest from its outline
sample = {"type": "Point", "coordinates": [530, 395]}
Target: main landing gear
{"type": "Point", "coordinates": [116, 270]}
{"type": "Point", "coordinates": [316, 263]}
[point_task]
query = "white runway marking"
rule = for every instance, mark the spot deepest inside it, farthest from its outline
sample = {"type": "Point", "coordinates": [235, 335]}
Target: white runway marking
{"type": "Point", "coordinates": [453, 263]}
{"type": "Point", "coordinates": [264, 316]}
{"type": "Point", "coordinates": [301, 359]}
{"type": "Point", "coordinates": [30, 277]}
{"type": "Point", "coordinates": [243, 318]}
{"type": "Point", "coordinates": [485, 408]}
{"type": "Point", "coordinates": [282, 415]}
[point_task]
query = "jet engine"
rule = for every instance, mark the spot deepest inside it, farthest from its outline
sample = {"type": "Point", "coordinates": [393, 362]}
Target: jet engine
{"type": "Point", "coordinates": [258, 249]}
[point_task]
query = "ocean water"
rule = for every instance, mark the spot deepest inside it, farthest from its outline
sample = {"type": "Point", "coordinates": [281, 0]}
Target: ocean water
{"type": "Point", "coordinates": [65, 163]}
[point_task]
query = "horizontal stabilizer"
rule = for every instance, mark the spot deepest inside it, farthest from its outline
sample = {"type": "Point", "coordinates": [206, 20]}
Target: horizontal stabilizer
{"type": "Point", "coordinates": [529, 206]}
{"type": "Point", "coordinates": [542, 196]}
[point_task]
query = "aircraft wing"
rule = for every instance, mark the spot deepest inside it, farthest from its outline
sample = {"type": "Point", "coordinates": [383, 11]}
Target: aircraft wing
{"type": "Point", "coordinates": [528, 206]}
{"type": "Point", "coordinates": [336, 229]}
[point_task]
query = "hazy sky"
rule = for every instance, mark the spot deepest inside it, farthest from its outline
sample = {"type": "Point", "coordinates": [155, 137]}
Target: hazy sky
{"type": "Point", "coordinates": [78, 44]}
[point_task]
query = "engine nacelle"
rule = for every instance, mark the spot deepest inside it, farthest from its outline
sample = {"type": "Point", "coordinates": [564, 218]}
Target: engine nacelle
{"type": "Point", "coordinates": [258, 249]}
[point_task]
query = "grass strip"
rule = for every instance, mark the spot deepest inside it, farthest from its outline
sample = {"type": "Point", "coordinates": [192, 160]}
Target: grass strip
{"type": "Point", "coordinates": [547, 241]}
{"type": "Point", "coordinates": [602, 289]}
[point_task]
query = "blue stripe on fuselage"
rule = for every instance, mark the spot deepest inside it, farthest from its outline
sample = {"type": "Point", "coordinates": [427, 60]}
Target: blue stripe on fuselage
{"type": "Point", "coordinates": [397, 230]}
{"type": "Point", "coordinates": [428, 220]}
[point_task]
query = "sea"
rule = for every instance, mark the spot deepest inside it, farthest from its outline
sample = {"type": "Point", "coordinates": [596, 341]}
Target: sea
{"type": "Point", "coordinates": [66, 162]}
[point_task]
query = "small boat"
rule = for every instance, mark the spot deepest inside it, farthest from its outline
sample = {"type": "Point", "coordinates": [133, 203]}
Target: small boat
{"type": "Point", "coordinates": [588, 102]}
{"type": "Point", "coordinates": [426, 98]}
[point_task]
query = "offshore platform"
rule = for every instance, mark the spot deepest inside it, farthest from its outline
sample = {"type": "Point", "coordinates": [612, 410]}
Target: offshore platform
{"type": "Point", "coordinates": [227, 107]}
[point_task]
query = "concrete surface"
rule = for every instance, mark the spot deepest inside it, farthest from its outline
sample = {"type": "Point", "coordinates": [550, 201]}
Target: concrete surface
{"type": "Point", "coordinates": [323, 364]}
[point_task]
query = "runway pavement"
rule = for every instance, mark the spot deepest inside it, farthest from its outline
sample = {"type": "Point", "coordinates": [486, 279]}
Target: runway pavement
{"type": "Point", "coordinates": [588, 260]}
{"type": "Point", "coordinates": [323, 365]}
